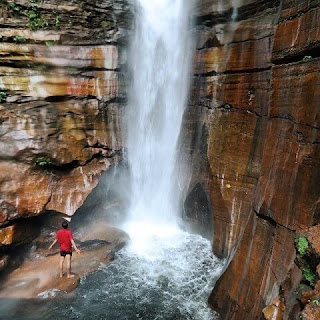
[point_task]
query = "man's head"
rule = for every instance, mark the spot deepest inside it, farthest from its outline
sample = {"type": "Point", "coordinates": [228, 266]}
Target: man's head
{"type": "Point", "coordinates": [65, 225]}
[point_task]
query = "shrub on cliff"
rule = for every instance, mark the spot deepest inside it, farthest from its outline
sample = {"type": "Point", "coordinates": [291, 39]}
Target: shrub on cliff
{"type": "Point", "coordinates": [3, 96]}
{"type": "Point", "coordinates": [302, 245]}
{"type": "Point", "coordinates": [308, 275]}
{"type": "Point", "coordinates": [43, 161]}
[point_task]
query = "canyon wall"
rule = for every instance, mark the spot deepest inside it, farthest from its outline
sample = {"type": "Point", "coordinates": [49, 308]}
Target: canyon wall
{"type": "Point", "coordinates": [251, 135]}
{"type": "Point", "coordinates": [62, 94]}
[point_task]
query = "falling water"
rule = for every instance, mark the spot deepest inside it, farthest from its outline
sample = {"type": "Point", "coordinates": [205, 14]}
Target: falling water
{"type": "Point", "coordinates": [160, 60]}
{"type": "Point", "coordinates": [165, 273]}
{"type": "Point", "coordinates": [172, 270]}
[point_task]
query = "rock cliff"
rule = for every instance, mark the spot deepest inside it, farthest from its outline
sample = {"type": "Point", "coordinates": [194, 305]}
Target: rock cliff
{"type": "Point", "coordinates": [61, 99]}
{"type": "Point", "coordinates": [252, 137]}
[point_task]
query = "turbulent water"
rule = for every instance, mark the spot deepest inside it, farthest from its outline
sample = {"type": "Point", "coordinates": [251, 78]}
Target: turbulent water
{"type": "Point", "coordinates": [170, 282]}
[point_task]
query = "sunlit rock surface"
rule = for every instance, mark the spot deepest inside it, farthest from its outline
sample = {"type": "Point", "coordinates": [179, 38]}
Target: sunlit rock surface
{"type": "Point", "coordinates": [251, 137]}
{"type": "Point", "coordinates": [62, 95]}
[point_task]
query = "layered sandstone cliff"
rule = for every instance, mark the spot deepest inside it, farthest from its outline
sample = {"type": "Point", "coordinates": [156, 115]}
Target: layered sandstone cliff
{"type": "Point", "coordinates": [252, 137]}
{"type": "Point", "coordinates": [62, 95]}
{"type": "Point", "coordinates": [251, 131]}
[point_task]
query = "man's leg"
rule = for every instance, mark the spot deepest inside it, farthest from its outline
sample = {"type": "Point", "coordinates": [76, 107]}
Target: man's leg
{"type": "Point", "coordinates": [61, 266]}
{"type": "Point", "coordinates": [69, 275]}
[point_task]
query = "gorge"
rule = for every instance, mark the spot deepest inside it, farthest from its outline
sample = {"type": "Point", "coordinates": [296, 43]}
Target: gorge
{"type": "Point", "coordinates": [247, 155]}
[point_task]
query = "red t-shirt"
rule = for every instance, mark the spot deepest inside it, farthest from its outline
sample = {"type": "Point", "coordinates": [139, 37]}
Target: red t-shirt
{"type": "Point", "coordinates": [64, 237]}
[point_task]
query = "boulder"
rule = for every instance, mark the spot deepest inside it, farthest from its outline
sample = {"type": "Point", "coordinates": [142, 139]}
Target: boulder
{"type": "Point", "coordinates": [275, 310]}
{"type": "Point", "coordinates": [28, 192]}
{"type": "Point", "coordinates": [18, 233]}
{"type": "Point", "coordinates": [72, 189]}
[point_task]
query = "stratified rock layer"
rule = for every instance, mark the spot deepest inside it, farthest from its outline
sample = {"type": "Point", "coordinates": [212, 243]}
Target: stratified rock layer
{"type": "Point", "coordinates": [38, 273]}
{"type": "Point", "coordinates": [61, 101]}
{"type": "Point", "coordinates": [251, 134]}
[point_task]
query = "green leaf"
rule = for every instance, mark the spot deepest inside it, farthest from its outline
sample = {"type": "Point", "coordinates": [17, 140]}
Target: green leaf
{"type": "Point", "coordinates": [3, 96]}
{"type": "Point", "coordinates": [302, 245]}
{"type": "Point", "coordinates": [32, 15]}
{"type": "Point", "coordinates": [309, 275]}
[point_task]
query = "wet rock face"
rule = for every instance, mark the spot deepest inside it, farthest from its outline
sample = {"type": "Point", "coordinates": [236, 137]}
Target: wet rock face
{"type": "Point", "coordinates": [251, 133]}
{"type": "Point", "coordinates": [197, 211]}
{"type": "Point", "coordinates": [61, 100]}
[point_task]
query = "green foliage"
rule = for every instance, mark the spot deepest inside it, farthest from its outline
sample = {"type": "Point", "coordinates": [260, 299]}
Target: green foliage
{"type": "Point", "coordinates": [3, 96]}
{"type": "Point", "coordinates": [43, 161]}
{"type": "Point", "coordinates": [309, 275]}
{"type": "Point", "coordinates": [19, 39]}
{"type": "Point", "coordinates": [57, 22]}
{"type": "Point", "coordinates": [302, 245]}
{"type": "Point", "coordinates": [316, 302]}
{"type": "Point", "coordinates": [40, 67]}
{"type": "Point", "coordinates": [11, 5]}
{"type": "Point", "coordinates": [35, 19]}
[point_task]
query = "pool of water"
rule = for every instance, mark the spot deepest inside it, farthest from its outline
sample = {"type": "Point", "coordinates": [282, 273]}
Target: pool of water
{"type": "Point", "coordinates": [171, 279]}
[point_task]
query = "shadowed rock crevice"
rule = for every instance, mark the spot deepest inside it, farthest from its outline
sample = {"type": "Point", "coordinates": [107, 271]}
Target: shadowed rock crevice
{"type": "Point", "coordinates": [244, 12]}
{"type": "Point", "coordinates": [288, 117]}
{"type": "Point", "coordinates": [306, 55]}
{"type": "Point", "coordinates": [269, 219]}
{"type": "Point", "coordinates": [235, 72]}
{"type": "Point", "coordinates": [197, 212]}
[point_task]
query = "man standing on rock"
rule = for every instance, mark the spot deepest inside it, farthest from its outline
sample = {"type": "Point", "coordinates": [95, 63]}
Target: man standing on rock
{"type": "Point", "coordinates": [65, 239]}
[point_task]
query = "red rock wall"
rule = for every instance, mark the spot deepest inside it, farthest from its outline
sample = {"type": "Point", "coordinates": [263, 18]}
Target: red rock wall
{"type": "Point", "coordinates": [62, 95]}
{"type": "Point", "coordinates": [251, 136]}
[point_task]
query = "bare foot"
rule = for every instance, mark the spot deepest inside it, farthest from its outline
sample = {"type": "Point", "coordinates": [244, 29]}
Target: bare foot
{"type": "Point", "coordinates": [70, 276]}
{"type": "Point", "coordinates": [61, 275]}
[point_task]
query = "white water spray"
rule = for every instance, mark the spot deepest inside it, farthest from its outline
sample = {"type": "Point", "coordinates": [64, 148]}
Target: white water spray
{"type": "Point", "coordinates": [160, 60]}
{"type": "Point", "coordinates": [162, 261]}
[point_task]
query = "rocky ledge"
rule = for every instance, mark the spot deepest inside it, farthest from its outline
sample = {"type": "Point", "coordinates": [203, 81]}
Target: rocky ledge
{"type": "Point", "coordinates": [38, 274]}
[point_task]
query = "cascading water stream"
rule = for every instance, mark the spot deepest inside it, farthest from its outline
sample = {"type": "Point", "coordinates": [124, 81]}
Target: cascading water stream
{"type": "Point", "coordinates": [164, 273]}
{"type": "Point", "coordinates": [160, 60]}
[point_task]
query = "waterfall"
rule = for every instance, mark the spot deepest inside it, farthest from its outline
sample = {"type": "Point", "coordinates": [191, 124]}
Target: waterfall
{"type": "Point", "coordinates": [160, 64]}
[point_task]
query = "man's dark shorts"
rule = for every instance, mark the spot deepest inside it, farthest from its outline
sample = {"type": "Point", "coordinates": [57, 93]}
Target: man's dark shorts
{"type": "Point", "coordinates": [64, 253]}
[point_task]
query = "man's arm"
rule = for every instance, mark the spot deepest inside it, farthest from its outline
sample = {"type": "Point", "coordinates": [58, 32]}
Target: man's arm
{"type": "Point", "coordinates": [53, 243]}
{"type": "Point", "coordinates": [75, 247]}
